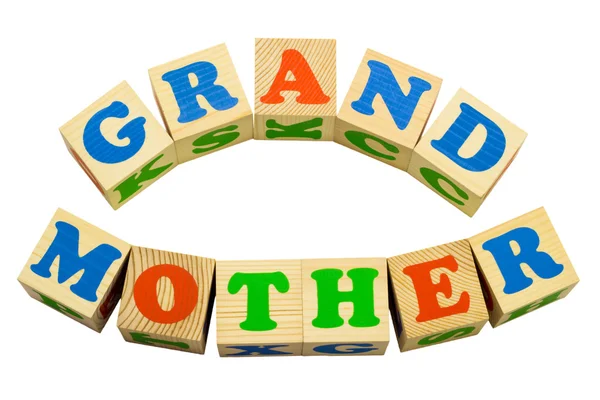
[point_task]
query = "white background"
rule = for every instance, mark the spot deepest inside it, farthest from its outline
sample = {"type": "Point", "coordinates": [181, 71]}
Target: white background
{"type": "Point", "coordinates": [536, 65]}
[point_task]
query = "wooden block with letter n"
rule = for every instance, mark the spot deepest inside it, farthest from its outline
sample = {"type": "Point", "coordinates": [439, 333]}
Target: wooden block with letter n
{"type": "Point", "coordinates": [77, 269]}
{"type": "Point", "coordinates": [465, 152]}
{"type": "Point", "coordinates": [436, 295]}
{"type": "Point", "coordinates": [202, 102]}
{"type": "Point", "coordinates": [386, 109]}
{"type": "Point", "coordinates": [167, 300]}
{"type": "Point", "coordinates": [259, 308]}
{"type": "Point", "coordinates": [295, 89]}
{"type": "Point", "coordinates": [120, 145]}
{"type": "Point", "coordinates": [345, 309]}
{"type": "Point", "coordinates": [523, 266]}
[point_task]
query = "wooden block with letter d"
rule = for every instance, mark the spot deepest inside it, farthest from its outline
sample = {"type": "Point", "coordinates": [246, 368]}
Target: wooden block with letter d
{"type": "Point", "coordinates": [295, 89]}
{"type": "Point", "coordinates": [523, 266]}
{"type": "Point", "coordinates": [167, 300]}
{"type": "Point", "coordinates": [386, 109]}
{"type": "Point", "coordinates": [202, 102]}
{"type": "Point", "coordinates": [77, 269]}
{"type": "Point", "coordinates": [436, 295]}
{"type": "Point", "coordinates": [465, 152]}
{"type": "Point", "coordinates": [345, 309]}
{"type": "Point", "coordinates": [259, 308]}
{"type": "Point", "coordinates": [120, 145]}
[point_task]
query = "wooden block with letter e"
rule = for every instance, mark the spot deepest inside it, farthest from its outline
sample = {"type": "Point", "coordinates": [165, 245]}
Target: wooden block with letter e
{"type": "Point", "coordinates": [345, 309]}
{"type": "Point", "coordinates": [202, 102]}
{"type": "Point", "coordinates": [295, 89]}
{"type": "Point", "coordinates": [167, 300]}
{"type": "Point", "coordinates": [465, 152]}
{"type": "Point", "coordinates": [436, 295]}
{"type": "Point", "coordinates": [77, 269]}
{"type": "Point", "coordinates": [523, 266]}
{"type": "Point", "coordinates": [386, 109]}
{"type": "Point", "coordinates": [259, 308]}
{"type": "Point", "coordinates": [120, 145]}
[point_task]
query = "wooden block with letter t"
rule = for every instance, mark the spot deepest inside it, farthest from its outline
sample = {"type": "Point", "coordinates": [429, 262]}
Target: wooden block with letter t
{"type": "Point", "coordinates": [120, 145]}
{"type": "Point", "coordinates": [259, 308]}
{"type": "Point", "coordinates": [77, 269]}
{"type": "Point", "coordinates": [523, 266]}
{"type": "Point", "coordinates": [202, 102]}
{"type": "Point", "coordinates": [386, 109]}
{"type": "Point", "coordinates": [465, 152]}
{"type": "Point", "coordinates": [295, 89]}
{"type": "Point", "coordinates": [345, 309]}
{"type": "Point", "coordinates": [167, 300]}
{"type": "Point", "coordinates": [436, 295]}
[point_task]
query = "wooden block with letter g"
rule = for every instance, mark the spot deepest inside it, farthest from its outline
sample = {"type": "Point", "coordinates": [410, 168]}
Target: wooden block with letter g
{"type": "Point", "coordinates": [436, 295]}
{"type": "Point", "coordinates": [202, 102]}
{"type": "Point", "coordinates": [345, 309]}
{"type": "Point", "coordinates": [120, 145]}
{"type": "Point", "coordinates": [386, 109]}
{"type": "Point", "coordinates": [523, 266]}
{"type": "Point", "coordinates": [295, 89]}
{"type": "Point", "coordinates": [77, 269]}
{"type": "Point", "coordinates": [465, 152]}
{"type": "Point", "coordinates": [259, 308]}
{"type": "Point", "coordinates": [167, 300]}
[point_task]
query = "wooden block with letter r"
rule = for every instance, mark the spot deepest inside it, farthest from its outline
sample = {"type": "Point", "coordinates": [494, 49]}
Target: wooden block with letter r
{"type": "Point", "coordinates": [295, 89]}
{"type": "Point", "coordinates": [77, 269]}
{"type": "Point", "coordinates": [523, 266]}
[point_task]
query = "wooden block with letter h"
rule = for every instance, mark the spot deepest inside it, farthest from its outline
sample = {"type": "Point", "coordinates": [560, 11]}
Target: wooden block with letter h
{"type": "Point", "coordinates": [523, 266]}
{"type": "Point", "coordinates": [120, 145]}
{"type": "Point", "coordinates": [386, 109]}
{"type": "Point", "coordinates": [436, 295]}
{"type": "Point", "coordinates": [295, 89]}
{"type": "Point", "coordinates": [167, 300]}
{"type": "Point", "coordinates": [77, 269]}
{"type": "Point", "coordinates": [465, 152]}
{"type": "Point", "coordinates": [221, 119]}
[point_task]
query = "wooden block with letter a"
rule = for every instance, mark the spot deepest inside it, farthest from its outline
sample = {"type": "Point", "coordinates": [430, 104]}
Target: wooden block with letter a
{"type": "Point", "coordinates": [259, 308]}
{"type": "Point", "coordinates": [167, 300]}
{"type": "Point", "coordinates": [77, 269]}
{"type": "Point", "coordinates": [202, 102]}
{"type": "Point", "coordinates": [345, 309]}
{"type": "Point", "coordinates": [465, 152]}
{"type": "Point", "coordinates": [120, 145]}
{"type": "Point", "coordinates": [295, 89]}
{"type": "Point", "coordinates": [523, 266]}
{"type": "Point", "coordinates": [436, 295]}
{"type": "Point", "coordinates": [386, 109]}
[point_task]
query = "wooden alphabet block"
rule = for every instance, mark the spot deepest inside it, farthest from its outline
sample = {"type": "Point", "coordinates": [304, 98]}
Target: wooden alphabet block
{"type": "Point", "coordinates": [295, 89]}
{"type": "Point", "coordinates": [345, 309]}
{"type": "Point", "coordinates": [465, 152]}
{"type": "Point", "coordinates": [259, 308]}
{"type": "Point", "coordinates": [523, 266]}
{"type": "Point", "coordinates": [436, 295]}
{"type": "Point", "coordinates": [77, 269]}
{"type": "Point", "coordinates": [167, 300]}
{"type": "Point", "coordinates": [202, 102]}
{"type": "Point", "coordinates": [386, 109]}
{"type": "Point", "coordinates": [120, 145]}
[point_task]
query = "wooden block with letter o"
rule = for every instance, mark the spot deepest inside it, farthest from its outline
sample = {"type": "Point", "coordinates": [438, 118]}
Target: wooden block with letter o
{"type": "Point", "coordinates": [345, 309]}
{"type": "Point", "coordinates": [523, 266]}
{"type": "Point", "coordinates": [167, 300]}
{"type": "Point", "coordinates": [465, 152]}
{"type": "Point", "coordinates": [120, 145]}
{"type": "Point", "coordinates": [202, 102]}
{"type": "Point", "coordinates": [295, 89]}
{"type": "Point", "coordinates": [386, 109]}
{"type": "Point", "coordinates": [77, 269]}
{"type": "Point", "coordinates": [436, 295]}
